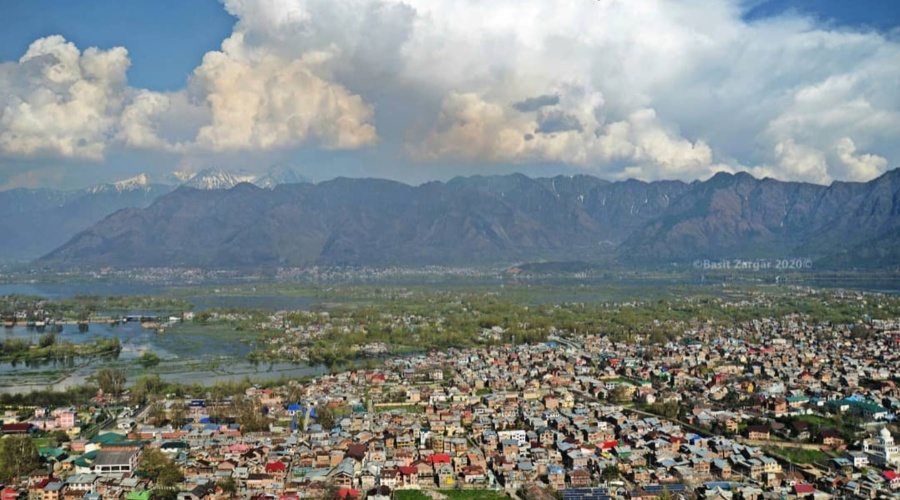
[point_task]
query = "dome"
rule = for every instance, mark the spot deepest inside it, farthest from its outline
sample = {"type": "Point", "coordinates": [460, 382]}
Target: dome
{"type": "Point", "coordinates": [885, 433]}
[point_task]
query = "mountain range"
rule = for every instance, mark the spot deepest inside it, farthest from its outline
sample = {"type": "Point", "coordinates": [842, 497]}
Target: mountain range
{"type": "Point", "coordinates": [36, 221]}
{"type": "Point", "coordinates": [500, 219]}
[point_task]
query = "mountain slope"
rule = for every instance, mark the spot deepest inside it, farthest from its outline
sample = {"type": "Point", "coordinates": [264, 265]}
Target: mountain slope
{"type": "Point", "coordinates": [494, 219]}
{"type": "Point", "coordinates": [370, 221]}
{"type": "Point", "coordinates": [33, 222]}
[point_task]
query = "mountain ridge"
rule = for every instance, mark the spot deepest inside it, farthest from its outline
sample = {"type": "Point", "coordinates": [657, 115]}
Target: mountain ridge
{"type": "Point", "coordinates": [502, 219]}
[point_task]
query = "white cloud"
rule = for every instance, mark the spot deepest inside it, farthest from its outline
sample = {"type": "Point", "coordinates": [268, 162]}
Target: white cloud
{"type": "Point", "coordinates": [60, 102]}
{"type": "Point", "coordinates": [718, 93]}
{"type": "Point", "coordinates": [261, 101]}
{"type": "Point", "coordinates": [651, 89]}
{"type": "Point", "coordinates": [859, 167]}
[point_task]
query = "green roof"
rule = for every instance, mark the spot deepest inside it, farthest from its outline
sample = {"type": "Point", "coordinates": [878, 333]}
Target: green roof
{"type": "Point", "coordinates": [48, 452]}
{"type": "Point", "coordinates": [138, 495]}
{"type": "Point", "coordinates": [109, 438]}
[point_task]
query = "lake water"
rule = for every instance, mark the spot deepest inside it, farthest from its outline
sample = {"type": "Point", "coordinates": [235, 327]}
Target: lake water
{"type": "Point", "coordinates": [68, 290]}
{"type": "Point", "coordinates": [189, 355]}
{"type": "Point", "coordinates": [201, 302]}
{"type": "Point", "coordinates": [137, 340]}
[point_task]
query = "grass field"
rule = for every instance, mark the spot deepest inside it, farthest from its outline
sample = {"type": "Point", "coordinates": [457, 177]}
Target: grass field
{"type": "Point", "coordinates": [451, 495]}
{"type": "Point", "coordinates": [473, 494]}
{"type": "Point", "coordinates": [800, 456]}
{"type": "Point", "coordinates": [816, 420]}
{"type": "Point", "coordinates": [410, 495]}
{"type": "Point", "coordinates": [401, 407]}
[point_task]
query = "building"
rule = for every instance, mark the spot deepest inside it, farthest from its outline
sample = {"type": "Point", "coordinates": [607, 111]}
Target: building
{"type": "Point", "coordinates": [882, 451]}
{"type": "Point", "coordinates": [116, 462]}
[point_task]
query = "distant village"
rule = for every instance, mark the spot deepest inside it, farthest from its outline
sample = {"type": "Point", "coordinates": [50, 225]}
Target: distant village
{"type": "Point", "coordinates": [772, 408]}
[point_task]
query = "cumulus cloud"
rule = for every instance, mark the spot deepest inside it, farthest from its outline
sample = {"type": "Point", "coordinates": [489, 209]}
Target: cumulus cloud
{"type": "Point", "coordinates": [686, 87]}
{"type": "Point", "coordinates": [650, 89]}
{"type": "Point", "coordinates": [60, 102]}
{"type": "Point", "coordinates": [259, 100]}
{"type": "Point", "coordinates": [472, 129]}
{"type": "Point", "coordinates": [860, 167]}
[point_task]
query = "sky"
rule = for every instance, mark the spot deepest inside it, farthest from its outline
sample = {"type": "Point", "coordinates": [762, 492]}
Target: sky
{"type": "Point", "coordinates": [415, 90]}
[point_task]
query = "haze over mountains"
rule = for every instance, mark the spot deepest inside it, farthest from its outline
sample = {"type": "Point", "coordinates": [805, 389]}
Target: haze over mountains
{"type": "Point", "coordinates": [500, 219]}
{"type": "Point", "coordinates": [36, 221]}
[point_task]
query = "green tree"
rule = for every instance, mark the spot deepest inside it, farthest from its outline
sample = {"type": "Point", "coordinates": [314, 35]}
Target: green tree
{"type": "Point", "coordinates": [60, 436]}
{"type": "Point", "coordinates": [178, 416]}
{"type": "Point", "coordinates": [328, 416]}
{"type": "Point", "coordinates": [156, 466]}
{"type": "Point", "coordinates": [250, 416]}
{"type": "Point", "coordinates": [18, 456]}
{"type": "Point", "coordinates": [610, 473]}
{"type": "Point", "coordinates": [47, 339]}
{"type": "Point", "coordinates": [620, 394]}
{"type": "Point", "coordinates": [112, 381]}
{"type": "Point", "coordinates": [149, 359]}
{"type": "Point", "coordinates": [228, 486]}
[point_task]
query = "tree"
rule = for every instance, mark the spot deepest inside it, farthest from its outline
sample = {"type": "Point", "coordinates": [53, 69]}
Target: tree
{"type": "Point", "coordinates": [149, 359]}
{"type": "Point", "coordinates": [112, 381]}
{"type": "Point", "coordinates": [47, 339]}
{"type": "Point", "coordinates": [228, 486]}
{"type": "Point", "coordinates": [328, 416]}
{"type": "Point", "coordinates": [156, 466]}
{"type": "Point", "coordinates": [250, 416]}
{"type": "Point", "coordinates": [177, 416]}
{"type": "Point", "coordinates": [18, 456]}
{"type": "Point", "coordinates": [620, 394]}
{"type": "Point", "coordinates": [157, 413]}
{"type": "Point", "coordinates": [164, 494]}
{"type": "Point", "coordinates": [610, 473]}
{"type": "Point", "coordinates": [60, 436]}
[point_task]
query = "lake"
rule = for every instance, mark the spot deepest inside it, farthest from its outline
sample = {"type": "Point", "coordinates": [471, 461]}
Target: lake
{"type": "Point", "coordinates": [201, 302]}
{"type": "Point", "coordinates": [189, 355]}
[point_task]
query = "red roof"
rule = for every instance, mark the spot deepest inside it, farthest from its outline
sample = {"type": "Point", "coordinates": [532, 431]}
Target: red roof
{"type": "Point", "coordinates": [438, 458]}
{"type": "Point", "coordinates": [804, 488]}
{"type": "Point", "coordinates": [9, 494]}
{"type": "Point", "coordinates": [408, 471]}
{"type": "Point", "coordinates": [608, 445]}
{"type": "Point", "coordinates": [891, 475]}
{"type": "Point", "coordinates": [275, 467]}
{"type": "Point", "coordinates": [348, 493]}
{"type": "Point", "coordinates": [20, 428]}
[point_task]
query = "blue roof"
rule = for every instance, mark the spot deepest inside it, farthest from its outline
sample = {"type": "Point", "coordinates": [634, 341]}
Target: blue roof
{"type": "Point", "coordinates": [659, 488]}
{"type": "Point", "coordinates": [585, 494]}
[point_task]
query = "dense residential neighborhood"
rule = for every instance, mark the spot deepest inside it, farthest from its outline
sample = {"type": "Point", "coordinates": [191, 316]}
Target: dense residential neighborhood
{"type": "Point", "coordinates": [773, 408]}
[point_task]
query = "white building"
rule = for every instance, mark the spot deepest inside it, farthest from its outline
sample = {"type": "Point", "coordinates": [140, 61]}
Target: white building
{"type": "Point", "coordinates": [883, 451]}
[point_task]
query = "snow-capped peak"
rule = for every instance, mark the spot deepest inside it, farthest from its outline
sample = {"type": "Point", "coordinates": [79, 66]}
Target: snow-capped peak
{"type": "Point", "coordinates": [216, 179]}
{"type": "Point", "coordinates": [278, 175]}
{"type": "Point", "coordinates": [138, 182]}
{"type": "Point", "coordinates": [219, 179]}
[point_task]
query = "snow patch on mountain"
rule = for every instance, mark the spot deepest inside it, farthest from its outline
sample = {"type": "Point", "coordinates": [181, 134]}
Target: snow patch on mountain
{"type": "Point", "coordinates": [220, 179]}
{"type": "Point", "coordinates": [139, 182]}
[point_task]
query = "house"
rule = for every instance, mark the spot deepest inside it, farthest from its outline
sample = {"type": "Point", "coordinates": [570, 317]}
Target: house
{"type": "Point", "coordinates": [17, 428]}
{"type": "Point", "coordinates": [580, 478]}
{"type": "Point", "coordinates": [115, 462]}
{"type": "Point", "coordinates": [758, 432]}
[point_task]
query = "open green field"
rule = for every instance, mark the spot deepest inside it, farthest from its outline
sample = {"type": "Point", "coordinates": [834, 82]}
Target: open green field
{"type": "Point", "coordinates": [451, 495]}
{"type": "Point", "coordinates": [799, 455]}
{"type": "Point", "coordinates": [473, 494]}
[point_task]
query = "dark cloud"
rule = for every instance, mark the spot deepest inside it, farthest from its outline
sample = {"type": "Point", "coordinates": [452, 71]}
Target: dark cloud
{"type": "Point", "coordinates": [552, 121]}
{"type": "Point", "coordinates": [536, 103]}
